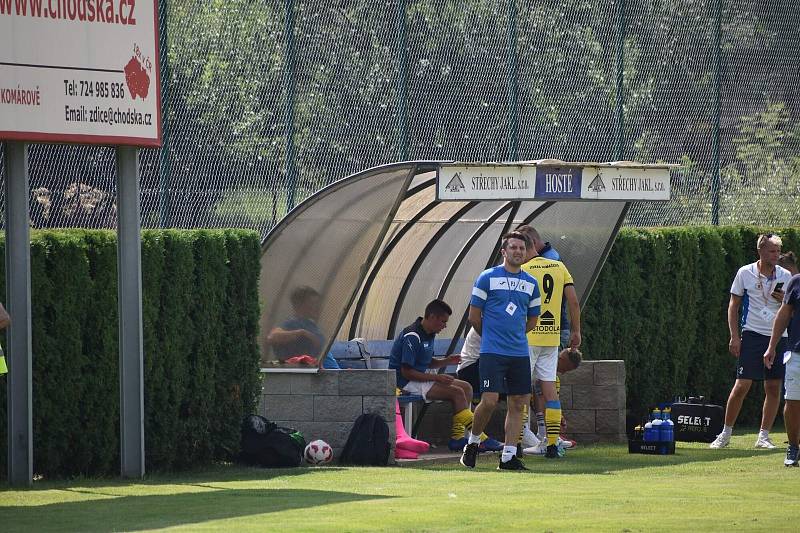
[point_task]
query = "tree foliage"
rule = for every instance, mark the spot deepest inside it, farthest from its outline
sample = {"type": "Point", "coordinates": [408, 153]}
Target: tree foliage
{"type": "Point", "coordinates": [365, 83]}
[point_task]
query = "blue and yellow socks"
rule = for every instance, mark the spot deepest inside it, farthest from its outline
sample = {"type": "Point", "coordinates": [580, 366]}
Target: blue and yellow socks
{"type": "Point", "coordinates": [552, 420]}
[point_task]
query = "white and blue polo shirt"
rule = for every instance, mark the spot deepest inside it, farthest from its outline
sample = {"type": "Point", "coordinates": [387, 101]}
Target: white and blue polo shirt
{"type": "Point", "coordinates": [506, 300]}
{"type": "Point", "coordinates": [758, 306]}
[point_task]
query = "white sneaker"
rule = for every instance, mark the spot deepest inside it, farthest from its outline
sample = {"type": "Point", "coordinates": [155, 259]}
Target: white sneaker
{"type": "Point", "coordinates": [721, 441]}
{"type": "Point", "coordinates": [764, 442]}
{"type": "Point", "coordinates": [792, 453]}
{"type": "Point", "coordinates": [565, 443]}
{"type": "Point", "coordinates": [539, 449]}
{"type": "Point", "coordinates": [529, 439]}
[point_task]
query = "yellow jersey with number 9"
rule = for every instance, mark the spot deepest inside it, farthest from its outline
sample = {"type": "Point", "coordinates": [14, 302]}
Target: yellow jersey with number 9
{"type": "Point", "coordinates": [552, 276]}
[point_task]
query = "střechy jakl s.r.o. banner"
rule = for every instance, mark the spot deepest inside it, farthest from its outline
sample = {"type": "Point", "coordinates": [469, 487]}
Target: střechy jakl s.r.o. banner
{"type": "Point", "coordinates": [80, 71]}
{"type": "Point", "coordinates": [551, 179]}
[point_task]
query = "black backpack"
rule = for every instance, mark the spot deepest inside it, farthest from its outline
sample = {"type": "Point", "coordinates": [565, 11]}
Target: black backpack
{"type": "Point", "coordinates": [368, 442]}
{"type": "Point", "coordinates": [264, 443]}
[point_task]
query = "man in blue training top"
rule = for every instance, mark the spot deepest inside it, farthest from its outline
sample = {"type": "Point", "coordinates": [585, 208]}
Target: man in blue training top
{"type": "Point", "coordinates": [411, 358]}
{"type": "Point", "coordinates": [503, 308]}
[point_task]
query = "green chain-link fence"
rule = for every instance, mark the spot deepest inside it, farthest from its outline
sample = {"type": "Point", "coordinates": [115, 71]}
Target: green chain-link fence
{"type": "Point", "coordinates": [267, 101]}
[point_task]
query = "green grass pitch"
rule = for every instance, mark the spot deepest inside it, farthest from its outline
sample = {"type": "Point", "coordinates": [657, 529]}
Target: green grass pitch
{"type": "Point", "coordinates": [599, 488]}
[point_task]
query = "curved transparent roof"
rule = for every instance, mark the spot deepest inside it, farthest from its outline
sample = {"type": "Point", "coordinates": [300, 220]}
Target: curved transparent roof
{"type": "Point", "coordinates": [378, 246]}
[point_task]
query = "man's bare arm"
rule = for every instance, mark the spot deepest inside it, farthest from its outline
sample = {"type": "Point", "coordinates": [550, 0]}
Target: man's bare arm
{"type": "Point", "coordinates": [475, 318]}
{"type": "Point", "coordinates": [574, 310]}
{"type": "Point", "coordinates": [735, 343]}
{"type": "Point", "coordinates": [778, 327]}
{"type": "Point", "coordinates": [284, 336]}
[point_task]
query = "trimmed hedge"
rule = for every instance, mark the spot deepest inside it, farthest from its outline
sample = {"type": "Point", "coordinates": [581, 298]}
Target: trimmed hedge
{"type": "Point", "coordinates": [200, 320]}
{"type": "Point", "coordinates": [661, 303]}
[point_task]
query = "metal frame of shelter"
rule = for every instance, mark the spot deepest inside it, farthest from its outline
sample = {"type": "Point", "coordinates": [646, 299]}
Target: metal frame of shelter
{"type": "Point", "coordinates": [380, 244]}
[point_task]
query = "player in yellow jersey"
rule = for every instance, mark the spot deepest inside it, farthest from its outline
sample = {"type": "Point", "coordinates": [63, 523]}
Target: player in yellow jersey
{"type": "Point", "coordinates": [555, 284]}
{"type": "Point", "coordinates": [568, 360]}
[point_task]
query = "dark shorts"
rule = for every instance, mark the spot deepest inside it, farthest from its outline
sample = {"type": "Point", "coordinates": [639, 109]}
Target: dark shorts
{"type": "Point", "coordinates": [472, 375]}
{"type": "Point", "coordinates": [511, 375]}
{"type": "Point", "coordinates": [751, 358]}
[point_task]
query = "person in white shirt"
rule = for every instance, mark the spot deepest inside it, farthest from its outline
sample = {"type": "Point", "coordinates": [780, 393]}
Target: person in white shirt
{"type": "Point", "coordinates": [757, 290]}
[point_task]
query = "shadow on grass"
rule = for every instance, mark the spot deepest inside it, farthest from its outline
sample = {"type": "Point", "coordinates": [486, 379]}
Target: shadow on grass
{"type": "Point", "coordinates": [234, 472]}
{"type": "Point", "coordinates": [606, 460]}
{"type": "Point", "coordinates": [221, 472]}
{"type": "Point", "coordinates": [132, 513]}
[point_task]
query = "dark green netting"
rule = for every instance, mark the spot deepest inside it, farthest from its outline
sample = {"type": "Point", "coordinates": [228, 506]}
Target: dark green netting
{"type": "Point", "coordinates": [267, 102]}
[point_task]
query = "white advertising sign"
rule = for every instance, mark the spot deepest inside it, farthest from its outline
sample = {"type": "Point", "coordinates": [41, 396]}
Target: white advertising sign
{"type": "Point", "coordinates": [80, 71]}
{"type": "Point", "coordinates": [485, 182]}
{"type": "Point", "coordinates": [609, 183]}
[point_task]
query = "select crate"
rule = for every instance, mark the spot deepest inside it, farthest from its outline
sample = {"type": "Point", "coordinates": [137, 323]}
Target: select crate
{"type": "Point", "coordinates": [651, 448]}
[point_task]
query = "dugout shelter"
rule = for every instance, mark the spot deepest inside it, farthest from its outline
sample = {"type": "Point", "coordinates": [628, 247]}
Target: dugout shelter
{"type": "Point", "coordinates": [380, 244]}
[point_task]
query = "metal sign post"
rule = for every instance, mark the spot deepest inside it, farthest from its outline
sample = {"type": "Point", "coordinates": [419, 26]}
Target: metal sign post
{"type": "Point", "coordinates": [129, 290]}
{"type": "Point", "coordinates": [99, 84]}
{"type": "Point", "coordinates": [18, 301]}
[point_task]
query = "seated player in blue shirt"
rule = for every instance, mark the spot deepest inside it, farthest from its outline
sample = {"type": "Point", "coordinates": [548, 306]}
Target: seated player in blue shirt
{"type": "Point", "coordinates": [300, 335]}
{"type": "Point", "coordinates": [412, 357]}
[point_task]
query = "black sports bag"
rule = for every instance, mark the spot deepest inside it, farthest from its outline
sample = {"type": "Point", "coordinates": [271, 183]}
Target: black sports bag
{"type": "Point", "coordinates": [697, 421]}
{"type": "Point", "coordinates": [264, 443]}
{"type": "Point", "coordinates": [368, 442]}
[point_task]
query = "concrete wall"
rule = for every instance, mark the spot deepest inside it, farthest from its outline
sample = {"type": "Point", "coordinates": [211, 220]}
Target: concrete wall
{"type": "Point", "coordinates": [325, 405]}
{"type": "Point", "coordinates": [592, 400]}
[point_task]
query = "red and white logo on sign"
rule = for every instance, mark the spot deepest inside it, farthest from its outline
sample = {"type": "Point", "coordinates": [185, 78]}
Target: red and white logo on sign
{"type": "Point", "coordinates": [137, 79]}
{"type": "Point", "coordinates": [136, 73]}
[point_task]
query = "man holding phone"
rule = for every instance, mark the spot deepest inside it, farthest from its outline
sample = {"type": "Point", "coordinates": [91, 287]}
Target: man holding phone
{"type": "Point", "coordinates": [758, 291]}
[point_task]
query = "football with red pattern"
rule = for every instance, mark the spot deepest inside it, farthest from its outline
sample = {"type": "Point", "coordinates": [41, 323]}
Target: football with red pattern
{"type": "Point", "coordinates": [318, 452]}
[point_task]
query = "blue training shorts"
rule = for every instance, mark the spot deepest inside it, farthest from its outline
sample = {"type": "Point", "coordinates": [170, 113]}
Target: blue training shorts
{"type": "Point", "coordinates": [500, 373]}
{"type": "Point", "coordinates": [751, 358]}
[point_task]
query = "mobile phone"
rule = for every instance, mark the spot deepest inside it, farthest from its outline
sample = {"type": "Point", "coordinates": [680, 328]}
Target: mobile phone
{"type": "Point", "coordinates": [778, 286]}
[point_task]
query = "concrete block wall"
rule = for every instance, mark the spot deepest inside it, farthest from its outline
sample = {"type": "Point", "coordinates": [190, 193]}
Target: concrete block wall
{"type": "Point", "coordinates": [592, 401]}
{"type": "Point", "coordinates": [438, 420]}
{"type": "Point", "coordinates": [325, 405]}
